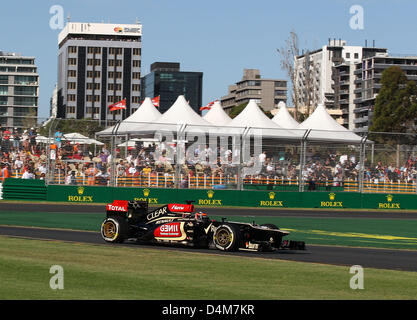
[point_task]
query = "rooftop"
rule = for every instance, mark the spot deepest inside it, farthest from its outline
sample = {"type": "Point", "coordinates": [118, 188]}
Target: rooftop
{"type": "Point", "coordinates": [105, 29]}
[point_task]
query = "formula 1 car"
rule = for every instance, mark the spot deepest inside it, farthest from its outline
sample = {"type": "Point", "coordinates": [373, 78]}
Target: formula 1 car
{"type": "Point", "coordinates": [180, 224]}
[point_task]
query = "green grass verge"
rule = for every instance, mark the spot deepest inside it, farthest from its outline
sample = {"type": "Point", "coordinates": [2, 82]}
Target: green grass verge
{"type": "Point", "coordinates": [379, 233]}
{"type": "Point", "coordinates": [258, 209]}
{"type": "Point", "coordinates": [115, 272]}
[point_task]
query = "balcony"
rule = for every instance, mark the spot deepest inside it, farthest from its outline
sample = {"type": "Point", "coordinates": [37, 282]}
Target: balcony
{"type": "Point", "coordinates": [402, 66]}
{"type": "Point", "coordinates": [361, 129]}
{"type": "Point", "coordinates": [360, 109]}
{"type": "Point", "coordinates": [361, 120]}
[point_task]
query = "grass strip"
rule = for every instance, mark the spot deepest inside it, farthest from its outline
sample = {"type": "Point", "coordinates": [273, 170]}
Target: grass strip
{"type": "Point", "coordinates": [115, 272]}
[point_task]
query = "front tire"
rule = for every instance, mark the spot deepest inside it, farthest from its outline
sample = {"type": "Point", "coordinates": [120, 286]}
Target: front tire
{"type": "Point", "coordinates": [226, 238]}
{"type": "Point", "coordinates": [114, 230]}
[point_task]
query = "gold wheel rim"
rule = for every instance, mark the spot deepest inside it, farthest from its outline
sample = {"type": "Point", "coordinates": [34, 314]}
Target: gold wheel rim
{"type": "Point", "coordinates": [223, 237]}
{"type": "Point", "coordinates": [109, 229]}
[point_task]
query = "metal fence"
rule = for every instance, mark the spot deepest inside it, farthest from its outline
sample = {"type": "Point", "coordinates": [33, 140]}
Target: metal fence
{"type": "Point", "coordinates": [184, 156]}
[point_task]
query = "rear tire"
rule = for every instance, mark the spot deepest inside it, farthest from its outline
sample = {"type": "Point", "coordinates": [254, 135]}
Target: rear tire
{"type": "Point", "coordinates": [277, 239]}
{"type": "Point", "coordinates": [114, 229]}
{"type": "Point", "coordinates": [227, 238]}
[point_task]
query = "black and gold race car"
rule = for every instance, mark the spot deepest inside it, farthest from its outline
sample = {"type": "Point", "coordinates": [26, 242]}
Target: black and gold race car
{"type": "Point", "coordinates": [181, 224]}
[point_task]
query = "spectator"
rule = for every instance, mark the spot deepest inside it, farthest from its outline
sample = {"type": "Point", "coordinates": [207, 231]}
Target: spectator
{"type": "Point", "coordinates": [262, 158]}
{"type": "Point", "coordinates": [4, 172]}
{"type": "Point", "coordinates": [16, 139]}
{"type": "Point", "coordinates": [25, 140]}
{"type": "Point", "coordinates": [71, 178]}
{"type": "Point", "coordinates": [6, 141]}
{"type": "Point", "coordinates": [91, 173]}
{"type": "Point", "coordinates": [28, 174]}
{"type": "Point", "coordinates": [32, 139]}
{"type": "Point", "coordinates": [58, 138]}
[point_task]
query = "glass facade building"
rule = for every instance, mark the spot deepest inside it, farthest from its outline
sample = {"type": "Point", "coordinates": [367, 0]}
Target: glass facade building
{"type": "Point", "coordinates": [169, 83]}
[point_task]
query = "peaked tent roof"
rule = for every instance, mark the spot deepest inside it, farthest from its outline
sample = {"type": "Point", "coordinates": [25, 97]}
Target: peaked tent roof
{"type": "Point", "coordinates": [181, 113]}
{"type": "Point", "coordinates": [145, 113]}
{"type": "Point", "coordinates": [217, 116]}
{"type": "Point", "coordinates": [283, 118]}
{"type": "Point", "coordinates": [321, 122]}
{"type": "Point", "coordinates": [178, 114]}
{"type": "Point", "coordinates": [252, 116]}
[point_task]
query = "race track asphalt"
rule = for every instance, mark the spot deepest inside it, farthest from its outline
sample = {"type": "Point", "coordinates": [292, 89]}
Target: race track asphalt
{"type": "Point", "coordinates": [405, 260]}
{"type": "Point", "coordinates": [346, 256]}
{"type": "Point", "coordinates": [308, 213]}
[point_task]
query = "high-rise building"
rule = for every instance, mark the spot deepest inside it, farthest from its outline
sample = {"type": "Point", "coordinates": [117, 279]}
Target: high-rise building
{"type": "Point", "coordinates": [327, 76]}
{"type": "Point", "coordinates": [53, 103]}
{"type": "Point", "coordinates": [19, 90]}
{"type": "Point", "coordinates": [168, 82]}
{"type": "Point", "coordinates": [267, 92]}
{"type": "Point", "coordinates": [368, 76]}
{"type": "Point", "coordinates": [98, 64]}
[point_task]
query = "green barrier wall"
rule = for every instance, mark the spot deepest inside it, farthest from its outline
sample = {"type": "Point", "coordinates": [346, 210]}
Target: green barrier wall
{"type": "Point", "coordinates": [18, 189]}
{"type": "Point", "coordinates": [219, 198]}
{"type": "Point", "coordinates": [22, 189]}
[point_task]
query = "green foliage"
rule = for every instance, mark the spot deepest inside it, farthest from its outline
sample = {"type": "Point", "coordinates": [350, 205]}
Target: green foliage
{"type": "Point", "coordinates": [237, 109]}
{"type": "Point", "coordinates": [302, 116]}
{"type": "Point", "coordinates": [84, 126]}
{"type": "Point", "coordinates": [396, 104]}
{"type": "Point", "coordinates": [30, 119]}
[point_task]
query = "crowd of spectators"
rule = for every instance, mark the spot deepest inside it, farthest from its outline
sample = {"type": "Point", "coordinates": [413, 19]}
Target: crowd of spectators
{"type": "Point", "coordinates": [75, 163]}
{"type": "Point", "coordinates": [21, 155]}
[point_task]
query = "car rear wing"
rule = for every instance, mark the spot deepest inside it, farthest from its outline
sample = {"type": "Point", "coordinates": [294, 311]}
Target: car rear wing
{"type": "Point", "coordinates": [122, 206]}
{"type": "Point", "coordinates": [117, 206]}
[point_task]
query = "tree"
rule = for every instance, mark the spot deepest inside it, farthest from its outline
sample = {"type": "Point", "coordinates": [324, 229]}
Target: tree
{"type": "Point", "coordinates": [30, 119]}
{"type": "Point", "coordinates": [308, 93]}
{"type": "Point", "coordinates": [288, 53]}
{"type": "Point", "coordinates": [396, 104]}
{"type": "Point", "coordinates": [86, 127]}
{"type": "Point", "coordinates": [237, 109]}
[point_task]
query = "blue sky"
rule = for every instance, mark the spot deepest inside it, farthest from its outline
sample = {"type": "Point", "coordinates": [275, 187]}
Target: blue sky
{"type": "Point", "coordinates": [219, 38]}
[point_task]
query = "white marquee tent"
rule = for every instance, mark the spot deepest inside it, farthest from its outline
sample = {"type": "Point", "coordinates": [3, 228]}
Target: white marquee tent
{"type": "Point", "coordinates": [217, 116]}
{"type": "Point", "coordinates": [179, 114]}
{"type": "Point", "coordinates": [146, 113]}
{"type": "Point", "coordinates": [325, 128]}
{"type": "Point", "coordinates": [253, 117]}
{"type": "Point", "coordinates": [148, 120]}
{"type": "Point", "coordinates": [283, 118]}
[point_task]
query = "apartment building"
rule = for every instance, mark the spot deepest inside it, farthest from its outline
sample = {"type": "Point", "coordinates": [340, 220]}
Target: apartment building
{"type": "Point", "coordinates": [98, 64]}
{"type": "Point", "coordinates": [368, 75]}
{"type": "Point", "coordinates": [326, 76]}
{"type": "Point", "coordinates": [19, 90]}
{"type": "Point", "coordinates": [267, 92]}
